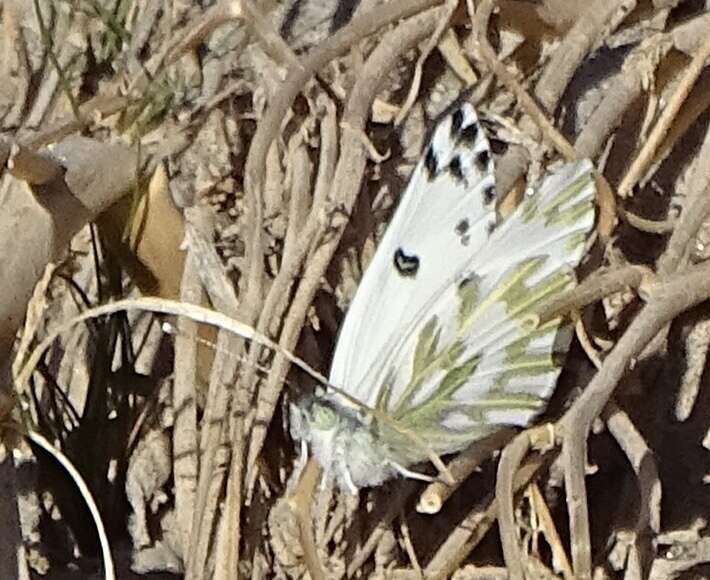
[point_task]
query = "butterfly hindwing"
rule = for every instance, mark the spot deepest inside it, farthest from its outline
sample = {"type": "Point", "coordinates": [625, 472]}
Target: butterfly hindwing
{"type": "Point", "coordinates": [477, 359]}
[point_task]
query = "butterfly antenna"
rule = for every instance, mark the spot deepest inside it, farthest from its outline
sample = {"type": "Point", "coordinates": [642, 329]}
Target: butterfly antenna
{"type": "Point", "coordinates": [411, 474]}
{"type": "Point", "coordinates": [172, 330]}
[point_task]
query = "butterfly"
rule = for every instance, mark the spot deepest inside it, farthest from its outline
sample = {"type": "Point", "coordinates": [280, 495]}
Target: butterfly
{"type": "Point", "coordinates": [438, 339]}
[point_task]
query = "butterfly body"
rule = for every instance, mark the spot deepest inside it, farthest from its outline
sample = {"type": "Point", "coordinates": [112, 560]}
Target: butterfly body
{"type": "Point", "coordinates": [440, 342]}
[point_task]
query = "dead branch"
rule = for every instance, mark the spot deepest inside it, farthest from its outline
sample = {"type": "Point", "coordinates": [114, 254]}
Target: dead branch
{"type": "Point", "coordinates": [668, 300]}
{"type": "Point", "coordinates": [185, 434]}
{"type": "Point", "coordinates": [405, 489]}
{"type": "Point", "coordinates": [473, 528]}
{"type": "Point", "coordinates": [300, 503]}
{"type": "Point", "coordinates": [648, 226]}
{"type": "Point", "coordinates": [695, 211]}
{"type": "Point", "coordinates": [510, 459]}
{"type": "Point", "coordinates": [589, 30]}
{"type": "Point", "coordinates": [627, 86]}
{"type": "Point", "coordinates": [602, 284]}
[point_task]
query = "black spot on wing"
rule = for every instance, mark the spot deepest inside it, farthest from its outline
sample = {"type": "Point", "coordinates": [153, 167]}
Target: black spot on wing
{"type": "Point", "coordinates": [456, 122]}
{"type": "Point", "coordinates": [456, 169]}
{"type": "Point", "coordinates": [406, 265]}
{"type": "Point", "coordinates": [469, 134]}
{"type": "Point", "coordinates": [483, 158]}
{"type": "Point", "coordinates": [462, 227]}
{"type": "Point", "coordinates": [461, 231]}
{"type": "Point", "coordinates": [431, 163]}
{"type": "Point", "coordinates": [489, 194]}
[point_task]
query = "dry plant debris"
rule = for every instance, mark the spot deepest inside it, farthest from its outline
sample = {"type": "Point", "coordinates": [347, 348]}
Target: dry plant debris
{"type": "Point", "coordinates": [245, 157]}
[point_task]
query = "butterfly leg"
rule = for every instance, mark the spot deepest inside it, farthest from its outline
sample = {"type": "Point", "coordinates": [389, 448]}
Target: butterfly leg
{"type": "Point", "coordinates": [411, 474]}
{"type": "Point", "coordinates": [349, 482]}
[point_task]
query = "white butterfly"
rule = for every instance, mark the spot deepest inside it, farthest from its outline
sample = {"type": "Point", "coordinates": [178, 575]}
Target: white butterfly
{"type": "Point", "coordinates": [439, 337]}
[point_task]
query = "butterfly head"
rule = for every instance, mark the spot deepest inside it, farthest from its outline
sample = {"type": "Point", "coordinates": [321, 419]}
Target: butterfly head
{"type": "Point", "coordinates": [342, 441]}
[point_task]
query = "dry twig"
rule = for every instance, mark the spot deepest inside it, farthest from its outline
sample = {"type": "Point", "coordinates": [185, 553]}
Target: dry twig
{"type": "Point", "coordinates": [645, 156]}
{"type": "Point", "coordinates": [668, 300]}
{"type": "Point", "coordinates": [510, 460]}
{"type": "Point", "coordinates": [648, 522]}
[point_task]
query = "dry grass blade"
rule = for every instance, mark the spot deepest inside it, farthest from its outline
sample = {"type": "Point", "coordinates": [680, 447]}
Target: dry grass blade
{"type": "Point", "coordinates": [42, 442]}
{"type": "Point", "coordinates": [163, 306]}
{"type": "Point", "coordinates": [559, 554]}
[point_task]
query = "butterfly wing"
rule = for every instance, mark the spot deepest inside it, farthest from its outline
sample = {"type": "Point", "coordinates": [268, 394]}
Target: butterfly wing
{"type": "Point", "coordinates": [444, 217]}
{"type": "Point", "coordinates": [474, 358]}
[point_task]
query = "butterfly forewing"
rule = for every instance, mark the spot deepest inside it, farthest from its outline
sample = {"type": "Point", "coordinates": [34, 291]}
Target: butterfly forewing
{"type": "Point", "coordinates": [446, 213]}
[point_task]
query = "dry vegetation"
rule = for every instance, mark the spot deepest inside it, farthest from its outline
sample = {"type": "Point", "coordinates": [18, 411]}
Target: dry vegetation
{"type": "Point", "coordinates": [247, 155]}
